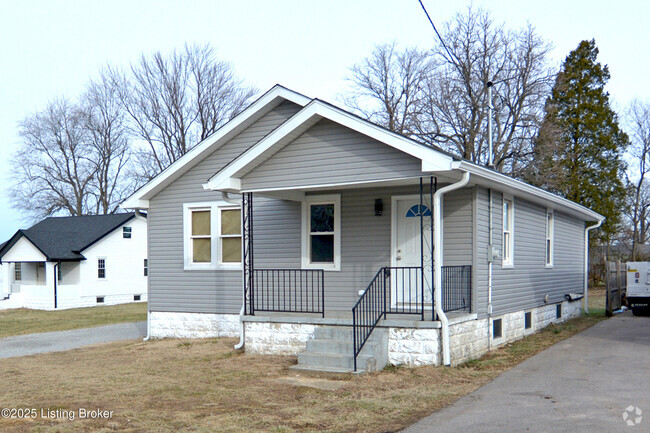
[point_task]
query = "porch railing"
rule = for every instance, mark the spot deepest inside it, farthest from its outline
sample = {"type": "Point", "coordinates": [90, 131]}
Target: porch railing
{"type": "Point", "coordinates": [399, 290]}
{"type": "Point", "coordinates": [457, 288]}
{"type": "Point", "coordinates": [288, 291]}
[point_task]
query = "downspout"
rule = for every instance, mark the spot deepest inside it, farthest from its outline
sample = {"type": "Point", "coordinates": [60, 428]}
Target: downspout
{"type": "Point", "coordinates": [490, 260]}
{"type": "Point", "coordinates": [437, 262]}
{"type": "Point", "coordinates": [226, 197]}
{"type": "Point", "coordinates": [56, 280]}
{"type": "Point", "coordinates": [586, 277]}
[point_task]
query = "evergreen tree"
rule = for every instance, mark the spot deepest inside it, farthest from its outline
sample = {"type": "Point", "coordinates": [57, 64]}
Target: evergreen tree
{"type": "Point", "coordinates": [578, 151]}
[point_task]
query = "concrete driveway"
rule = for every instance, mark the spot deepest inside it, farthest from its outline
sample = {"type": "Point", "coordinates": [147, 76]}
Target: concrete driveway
{"type": "Point", "coordinates": [31, 344]}
{"type": "Point", "coordinates": [583, 384]}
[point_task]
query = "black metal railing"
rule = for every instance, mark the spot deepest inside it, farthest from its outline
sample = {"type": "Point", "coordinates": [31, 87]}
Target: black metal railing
{"type": "Point", "coordinates": [288, 291]}
{"type": "Point", "coordinates": [457, 288]}
{"type": "Point", "coordinates": [367, 312]}
{"type": "Point", "coordinates": [400, 290]}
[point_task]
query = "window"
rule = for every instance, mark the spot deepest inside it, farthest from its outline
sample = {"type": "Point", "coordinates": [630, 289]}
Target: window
{"type": "Point", "coordinates": [59, 276]}
{"type": "Point", "coordinates": [497, 331]}
{"type": "Point", "coordinates": [508, 232]}
{"type": "Point", "coordinates": [558, 311]}
{"type": "Point", "coordinates": [322, 232]}
{"type": "Point", "coordinates": [137, 297]}
{"type": "Point", "coordinates": [200, 237]}
{"type": "Point", "coordinates": [213, 236]}
{"type": "Point", "coordinates": [550, 227]}
{"type": "Point", "coordinates": [146, 267]}
{"type": "Point", "coordinates": [18, 271]}
{"type": "Point", "coordinates": [126, 232]}
{"type": "Point", "coordinates": [100, 299]}
{"type": "Point", "coordinates": [528, 320]}
{"type": "Point", "coordinates": [101, 268]}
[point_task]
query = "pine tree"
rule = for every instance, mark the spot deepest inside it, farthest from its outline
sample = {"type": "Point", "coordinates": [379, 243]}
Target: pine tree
{"type": "Point", "coordinates": [578, 151]}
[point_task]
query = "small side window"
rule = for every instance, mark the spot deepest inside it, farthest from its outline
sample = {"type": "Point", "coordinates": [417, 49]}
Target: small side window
{"type": "Point", "coordinates": [18, 271]}
{"type": "Point", "coordinates": [101, 268]}
{"type": "Point", "coordinates": [497, 331]}
{"type": "Point", "coordinates": [126, 232]}
{"type": "Point", "coordinates": [558, 311]}
{"type": "Point", "coordinates": [528, 320]}
{"type": "Point", "coordinates": [146, 267]}
{"type": "Point", "coordinates": [100, 299]}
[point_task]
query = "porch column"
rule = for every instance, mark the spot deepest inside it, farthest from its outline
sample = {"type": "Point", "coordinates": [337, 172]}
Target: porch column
{"type": "Point", "coordinates": [247, 253]}
{"type": "Point", "coordinates": [50, 280]}
{"type": "Point", "coordinates": [7, 279]}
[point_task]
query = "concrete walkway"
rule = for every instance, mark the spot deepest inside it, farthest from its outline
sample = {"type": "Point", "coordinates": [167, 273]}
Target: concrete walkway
{"type": "Point", "coordinates": [31, 344]}
{"type": "Point", "coordinates": [583, 384]}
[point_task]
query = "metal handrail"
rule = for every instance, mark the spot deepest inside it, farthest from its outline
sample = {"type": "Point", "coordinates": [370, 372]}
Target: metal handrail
{"type": "Point", "coordinates": [364, 317]}
{"type": "Point", "coordinates": [288, 291]}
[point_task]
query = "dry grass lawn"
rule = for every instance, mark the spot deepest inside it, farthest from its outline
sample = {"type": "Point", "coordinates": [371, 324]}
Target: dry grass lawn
{"type": "Point", "coordinates": [206, 386]}
{"type": "Point", "coordinates": [23, 321]}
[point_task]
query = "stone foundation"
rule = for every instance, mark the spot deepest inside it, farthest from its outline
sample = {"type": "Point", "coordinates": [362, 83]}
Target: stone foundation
{"type": "Point", "coordinates": [267, 338]}
{"type": "Point", "coordinates": [193, 325]}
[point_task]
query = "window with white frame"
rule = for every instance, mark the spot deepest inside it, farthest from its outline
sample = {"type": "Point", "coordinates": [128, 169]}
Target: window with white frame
{"type": "Point", "coordinates": [126, 232]}
{"type": "Point", "coordinates": [322, 232]}
{"type": "Point", "coordinates": [230, 235]}
{"type": "Point", "coordinates": [146, 267]}
{"type": "Point", "coordinates": [201, 235]}
{"type": "Point", "coordinates": [550, 228]}
{"type": "Point", "coordinates": [18, 271]}
{"type": "Point", "coordinates": [508, 240]}
{"type": "Point", "coordinates": [213, 237]}
{"type": "Point", "coordinates": [101, 268]}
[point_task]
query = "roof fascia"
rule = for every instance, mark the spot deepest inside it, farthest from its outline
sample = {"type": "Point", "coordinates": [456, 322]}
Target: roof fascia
{"type": "Point", "coordinates": [228, 179]}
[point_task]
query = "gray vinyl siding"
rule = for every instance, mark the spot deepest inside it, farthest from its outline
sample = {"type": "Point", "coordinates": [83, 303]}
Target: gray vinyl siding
{"type": "Point", "coordinates": [328, 153]}
{"type": "Point", "coordinates": [171, 288]}
{"type": "Point", "coordinates": [365, 239]}
{"type": "Point", "coordinates": [526, 284]}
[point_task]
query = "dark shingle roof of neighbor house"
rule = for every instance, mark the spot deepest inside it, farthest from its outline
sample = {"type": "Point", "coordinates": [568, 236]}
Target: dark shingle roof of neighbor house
{"type": "Point", "coordinates": [64, 238]}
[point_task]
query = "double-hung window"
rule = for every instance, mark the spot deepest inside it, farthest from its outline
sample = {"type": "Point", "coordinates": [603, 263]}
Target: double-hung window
{"type": "Point", "coordinates": [321, 244]}
{"type": "Point", "coordinates": [213, 237]}
{"type": "Point", "coordinates": [101, 268]}
{"type": "Point", "coordinates": [18, 271]}
{"type": "Point", "coordinates": [550, 228]}
{"type": "Point", "coordinates": [508, 241]}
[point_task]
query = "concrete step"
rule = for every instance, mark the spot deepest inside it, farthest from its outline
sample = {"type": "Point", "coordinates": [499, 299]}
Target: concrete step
{"type": "Point", "coordinates": [325, 359]}
{"type": "Point", "coordinates": [337, 346]}
{"type": "Point", "coordinates": [334, 333]}
{"type": "Point", "coordinates": [322, 371]}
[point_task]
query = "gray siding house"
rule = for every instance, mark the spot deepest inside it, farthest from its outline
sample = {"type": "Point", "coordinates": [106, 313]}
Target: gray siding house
{"type": "Point", "coordinates": [307, 230]}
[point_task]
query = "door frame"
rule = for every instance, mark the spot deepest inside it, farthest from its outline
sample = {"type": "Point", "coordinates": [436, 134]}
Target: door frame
{"type": "Point", "coordinates": [393, 223]}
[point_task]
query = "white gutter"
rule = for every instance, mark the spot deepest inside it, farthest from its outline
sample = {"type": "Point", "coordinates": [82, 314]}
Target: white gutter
{"type": "Point", "coordinates": [586, 278]}
{"type": "Point", "coordinates": [148, 326]}
{"type": "Point", "coordinates": [437, 262]}
{"type": "Point", "coordinates": [226, 197]}
{"type": "Point", "coordinates": [491, 259]}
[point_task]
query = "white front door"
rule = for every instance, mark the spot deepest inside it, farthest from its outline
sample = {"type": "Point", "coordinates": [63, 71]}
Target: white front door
{"type": "Point", "coordinates": [407, 251]}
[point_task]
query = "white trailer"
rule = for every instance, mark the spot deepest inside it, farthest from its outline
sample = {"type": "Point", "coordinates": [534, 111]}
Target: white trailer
{"type": "Point", "coordinates": [638, 286]}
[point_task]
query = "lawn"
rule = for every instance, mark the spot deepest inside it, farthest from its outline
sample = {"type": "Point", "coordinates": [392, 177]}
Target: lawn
{"type": "Point", "coordinates": [205, 386]}
{"type": "Point", "coordinates": [23, 321]}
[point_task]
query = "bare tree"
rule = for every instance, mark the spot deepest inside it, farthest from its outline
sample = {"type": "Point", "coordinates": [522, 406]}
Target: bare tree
{"type": "Point", "coordinates": [387, 87]}
{"type": "Point", "coordinates": [638, 122]}
{"type": "Point", "coordinates": [53, 170]}
{"type": "Point", "coordinates": [176, 100]}
{"type": "Point", "coordinates": [478, 51]}
{"type": "Point", "coordinates": [105, 123]}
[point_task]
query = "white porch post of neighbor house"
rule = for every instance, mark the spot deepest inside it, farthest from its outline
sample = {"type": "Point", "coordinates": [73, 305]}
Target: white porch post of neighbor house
{"type": "Point", "coordinates": [50, 281]}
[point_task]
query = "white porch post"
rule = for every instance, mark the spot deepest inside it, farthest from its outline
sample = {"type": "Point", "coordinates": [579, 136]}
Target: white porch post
{"type": "Point", "coordinates": [50, 280]}
{"type": "Point", "coordinates": [7, 278]}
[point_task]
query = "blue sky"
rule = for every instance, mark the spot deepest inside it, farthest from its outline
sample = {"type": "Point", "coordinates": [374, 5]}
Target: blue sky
{"type": "Point", "coordinates": [51, 48]}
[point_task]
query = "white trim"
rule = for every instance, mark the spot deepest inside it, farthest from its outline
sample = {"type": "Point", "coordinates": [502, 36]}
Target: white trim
{"type": "Point", "coordinates": [549, 235]}
{"type": "Point", "coordinates": [305, 250]}
{"type": "Point", "coordinates": [298, 188]}
{"type": "Point", "coordinates": [215, 224]}
{"type": "Point", "coordinates": [393, 223]}
{"type": "Point", "coordinates": [220, 263]}
{"type": "Point", "coordinates": [140, 199]}
{"type": "Point", "coordinates": [517, 185]}
{"type": "Point", "coordinates": [511, 232]}
{"type": "Point", "coordinates": [105, 277]}
{"type": "Point", "coordinates": [432, 160]}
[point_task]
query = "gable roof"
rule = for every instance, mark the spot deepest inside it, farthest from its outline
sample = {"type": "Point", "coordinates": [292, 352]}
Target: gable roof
{"type": "Point", "coordinates": [265, 103]}
{"type": "Point", "coordinates": [64, 238]}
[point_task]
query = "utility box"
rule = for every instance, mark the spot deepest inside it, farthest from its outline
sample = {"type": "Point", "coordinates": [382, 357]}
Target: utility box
{"type": "Point", "coordinates": [638, 286]}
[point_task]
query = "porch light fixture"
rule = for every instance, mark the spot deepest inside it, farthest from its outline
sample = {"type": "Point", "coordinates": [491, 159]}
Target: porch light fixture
{"type": "Point", "coordinates": [379, 207]}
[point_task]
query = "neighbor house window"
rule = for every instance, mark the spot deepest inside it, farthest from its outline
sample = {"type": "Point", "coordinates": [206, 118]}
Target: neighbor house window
{"type": "Point", "coordinates": [322, 232]}
{"type": "Point", "coordinates": [18, 271]}
{"type": "Point", "coordinates": [126, 232]}
{"type": "Point", "coordinates": [200, 236]}
{"type": "Point", "coordinates": [230, 235]}
{"type": "Point", "coordinates": [550, 227]}
{"type": "Point", "coordinates": [101, 268]}
{"type": "Point", "coordinates": [146, 267]}
{"type": "Point", "coordinates": [213, 235]}
{"type": "Point", "coordinates": [508, 232]}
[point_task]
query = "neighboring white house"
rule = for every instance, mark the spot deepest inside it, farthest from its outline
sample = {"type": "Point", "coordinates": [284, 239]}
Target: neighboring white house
{"type": "Point", "coordinates": [70, 262]}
